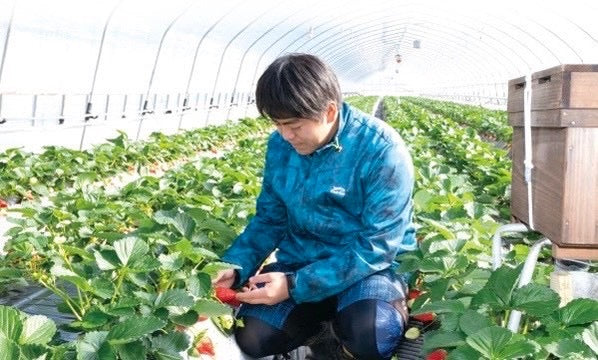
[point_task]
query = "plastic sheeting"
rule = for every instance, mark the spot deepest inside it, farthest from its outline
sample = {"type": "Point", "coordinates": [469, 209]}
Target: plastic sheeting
{"type": "Point", "coordinates": [68, 61]}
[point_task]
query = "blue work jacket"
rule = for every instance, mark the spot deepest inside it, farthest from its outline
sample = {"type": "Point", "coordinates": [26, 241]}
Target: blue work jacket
{"type": "Point", "coordinates": [337, 215]}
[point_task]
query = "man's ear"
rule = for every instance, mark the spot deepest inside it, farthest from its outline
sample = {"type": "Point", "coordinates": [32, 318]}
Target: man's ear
{"type": "Point", "coordinates": [331, 112]}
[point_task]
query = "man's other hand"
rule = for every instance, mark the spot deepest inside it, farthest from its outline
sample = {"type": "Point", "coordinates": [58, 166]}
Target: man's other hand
{"type": "Point", "coordinates": [273, 288]}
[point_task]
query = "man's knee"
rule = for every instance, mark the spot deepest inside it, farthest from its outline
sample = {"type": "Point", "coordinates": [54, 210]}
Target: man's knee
{"type": "Point", "coordinates": [259, 339]}
{"type": "Point", "coordinates": [370, 329]}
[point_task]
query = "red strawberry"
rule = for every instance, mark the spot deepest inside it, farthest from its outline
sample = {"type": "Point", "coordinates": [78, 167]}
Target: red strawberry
{"type": "Point", "coordinates": [438, 354]}
{"type": "Point", "coordinates": [3, 204]}
{"type": "Point", "coordinates": [227, 296]}
{"type": "Point", "coordinates": [414, 294]}
{"type": "Point", "coordinates": [202, 318]}
{"type": "Point", "coordinates": [205, 346]}
{"type": "Point", "coordinates": [425, 317]}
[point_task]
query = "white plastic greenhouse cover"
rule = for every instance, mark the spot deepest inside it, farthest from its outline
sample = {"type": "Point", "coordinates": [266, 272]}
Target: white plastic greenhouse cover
{"type": "Point", "coordinates": [142, 66]}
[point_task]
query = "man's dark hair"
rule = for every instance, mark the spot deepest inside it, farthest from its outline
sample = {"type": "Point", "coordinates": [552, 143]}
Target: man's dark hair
{"type": "Point", "coordinates": [296, 85]}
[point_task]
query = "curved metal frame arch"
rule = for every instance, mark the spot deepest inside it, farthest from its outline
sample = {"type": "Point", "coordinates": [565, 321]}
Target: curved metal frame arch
{"type": "Point", "coordinates": [485, 23]}
{"type": "Point", "coordinates": [5, 48]}
{"type": "Point", "coordinates": [374, 34]}
{"type": "Point", "coordinates": [438, 33]}
{"type": "Point", "coordinates": [149, 86]}
{"type": "Point", "coordinates": [282, 37]}
{"type": "Point", "coordinates": [194, 62]}
{"type": "Point", "coordinates": [240, 67]}
{"type": "Point", "coordinates": [340, 63]}
{"type": "Point", "coordinates": [89, 105]}
{"type": "Point", "coordinates": [224, 53]}
{"type": "Point", "coordinates": [430, 29]}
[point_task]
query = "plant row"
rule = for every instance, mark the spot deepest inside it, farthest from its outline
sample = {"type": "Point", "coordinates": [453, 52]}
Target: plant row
{"type": "Point", "coordinates": [492, 125]}
{"type": "Point", "coordinates": [138, 262]}
{"type": "Point", "coordinates": [363, 103]}
{"type": "Point", "coordinates": [26, 175]}
{"type": "Point", "coordinates": [456, 292]}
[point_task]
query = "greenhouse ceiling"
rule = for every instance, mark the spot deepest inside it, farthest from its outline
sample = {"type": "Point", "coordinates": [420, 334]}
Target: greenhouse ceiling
{"type": "Point", "coordinates": [212, 46]}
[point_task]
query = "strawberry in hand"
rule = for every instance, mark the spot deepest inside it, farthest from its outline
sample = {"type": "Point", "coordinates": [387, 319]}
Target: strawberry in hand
{"type": "Point", "coordinates": [227, 296]}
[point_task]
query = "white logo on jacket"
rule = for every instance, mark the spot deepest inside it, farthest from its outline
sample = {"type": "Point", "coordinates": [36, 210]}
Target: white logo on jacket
{"type": "Point", "coordinates": [337, 190]}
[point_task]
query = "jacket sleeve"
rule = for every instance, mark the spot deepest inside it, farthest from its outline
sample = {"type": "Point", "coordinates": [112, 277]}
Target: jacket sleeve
{"type": "Point", "coordinates": [387, 230]}
{"type": "Point", "coordinates": [264, 231]}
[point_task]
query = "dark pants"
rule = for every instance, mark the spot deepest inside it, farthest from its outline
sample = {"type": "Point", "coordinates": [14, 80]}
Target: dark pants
{"type": "Point", "coordinates": [367, 323]}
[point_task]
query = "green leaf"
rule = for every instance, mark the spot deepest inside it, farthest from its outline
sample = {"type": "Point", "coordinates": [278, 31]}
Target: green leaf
{"type": "Point", "coordinates": [176, 300]}
{"type": "Point", "coordinates": [225, 233]}
{"type": "Point", "coordinates": [535, 300]}
{"type": "Point", "coordinates": [408, 263]}
{"type": "Point", "coordinates": [187, 319]}
{"type": "Point", "coordinates": [489, 341]}
{"type": "Point", "coordinates": [134, 328]}
{"type": "Point", "coordinates": [464, 352]}
{"type": "Point", "coordinates": [567, 347]}
{"type": "Point", "coordinates": [199, 285]}
{"type": "Point", "coordinates": [131, 351]}
{"type": "Point", "coordinates": [422, 200]}
{"type": "Point", "coordinates": [495, 342]}
{"type": "Point", "coordinates": [442, 339]}
{"type": "Point", "coordinates": [210, 308]}
{"type": "Point", "coordinates": [448, 321]}
{"type": "Point", "coordinates": [578, 312]}
{"type": "Point", "coordinates": [499, 288]}
{"type": "Point", "coordinates": [590, 336]}
{"type": "Point", "coordinates": [167, 347]}
{"type": "Point", "coordinates": [106, 259]}
{"type": "Point", "coordinates": [144, 264]}
{"type": "Point", "coordinates": [9, 350]}
{"type": "Point", "coordinates": [130, 249]}
{"type": "Point", "coordinates": [37, 329]}
{"type": "Point", "coordinates": [443, 306]}
{"type": "Point", "coordinates": [93, 346]}
{"type": "Point", "coordinates": [71, 250]}
{"type": "Point", "coordinates": [79, 282]}
{"type": "Point", "coordinates": [452, 246]}
{"type": "Point", "coordinates": [182, 222]}
{"type": "Point", "coordinates": [102, 287]}
{"type": "Point", "coordinates": [471, 322]}
{"type": "Point", "coordinates": [213, 267]}
{"type": "Point", "coordinates": [10, 323]}
{"type": "Point", "coordinates": [444, 231]}
{"type": "Point", "coordinates": [474, 281]}
{"type": "Point", "coordinates": [438, 288]}
{"type": "Point", "coordinates": [34, 352]}
{"type": "Point", "coordinates": [171, 262]}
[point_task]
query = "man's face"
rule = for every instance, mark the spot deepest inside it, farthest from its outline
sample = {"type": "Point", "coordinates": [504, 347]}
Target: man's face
{"type": "Point", "coordinates": [308, 135]}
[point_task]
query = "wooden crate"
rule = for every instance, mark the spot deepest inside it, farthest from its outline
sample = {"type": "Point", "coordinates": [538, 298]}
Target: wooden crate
{"type": "Point", "coordinates": [565, 154]}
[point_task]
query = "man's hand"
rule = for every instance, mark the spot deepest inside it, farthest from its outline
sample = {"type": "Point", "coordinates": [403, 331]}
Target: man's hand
{"type": "Point", "coordinates": [224, 278]}
{"type": "Point", "coordinates": [275, 289]}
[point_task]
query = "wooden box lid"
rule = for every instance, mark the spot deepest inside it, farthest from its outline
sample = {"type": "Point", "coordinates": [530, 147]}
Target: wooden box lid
{"type": "Point", "coordinates": [573, 88]}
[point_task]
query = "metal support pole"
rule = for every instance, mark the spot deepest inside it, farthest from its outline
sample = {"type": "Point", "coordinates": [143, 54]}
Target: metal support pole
{"type": "Point", "coordinates": [62, 104]}
{"type": "Point", "coordinates": [124, 111]}
{"type": "Point", "coordinates": [254, 20]}
{"type": "Point", "coordinates": [526, 277]}
{"type": "Point", "coordinates": [151, 79]}
{"type": "Point", "coordinates": [88, 106]}
{"type": "Point", "coordinates": [106, 107]}
{"type": "Point", "coordinates": [34, 110]}
{"type": "Point", "coordinates": [12, 13]}
{"type": "Point", "coordinates": [191, 71]}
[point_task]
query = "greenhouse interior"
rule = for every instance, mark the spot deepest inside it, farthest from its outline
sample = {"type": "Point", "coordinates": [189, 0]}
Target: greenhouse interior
{"type": "Point", "coordinates": [135, 137]}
